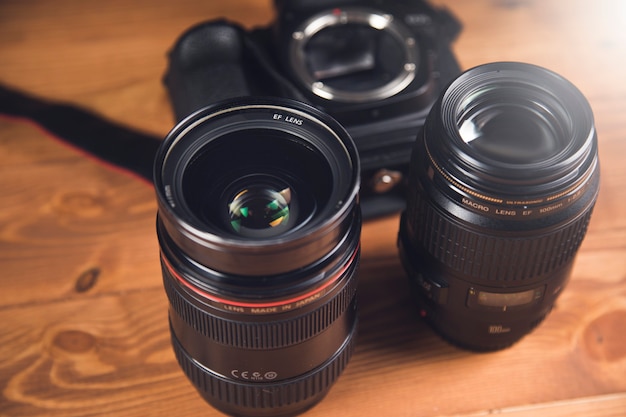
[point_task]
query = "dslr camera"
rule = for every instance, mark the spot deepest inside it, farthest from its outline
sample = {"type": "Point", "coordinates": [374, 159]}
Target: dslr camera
{"type": "Point", "coordinates": [375, 66]}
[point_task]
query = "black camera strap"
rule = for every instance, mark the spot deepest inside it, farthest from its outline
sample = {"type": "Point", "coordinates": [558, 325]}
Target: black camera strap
{"type": "Point", "coordinates": [110, 143]}
{"type": "Point", "coordinates": [263, 56]}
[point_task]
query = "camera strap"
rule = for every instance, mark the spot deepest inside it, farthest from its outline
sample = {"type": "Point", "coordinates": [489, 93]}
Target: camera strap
{"type": "Point", "coordinates": [260, 53]}
{"type": "Point", "coordinates": [110, 143]}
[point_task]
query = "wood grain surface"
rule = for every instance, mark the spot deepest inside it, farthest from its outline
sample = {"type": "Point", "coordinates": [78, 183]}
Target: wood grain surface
{"type": "Point", "coordinates": [83, 316]}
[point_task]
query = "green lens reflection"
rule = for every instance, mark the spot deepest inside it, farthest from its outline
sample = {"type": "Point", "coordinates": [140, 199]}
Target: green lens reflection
{"type": "Point", "coordinates": [255, 209]}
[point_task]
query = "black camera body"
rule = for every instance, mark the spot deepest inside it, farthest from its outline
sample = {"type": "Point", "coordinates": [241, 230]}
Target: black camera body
{"type": "Point", "coordinates": [375, 66]}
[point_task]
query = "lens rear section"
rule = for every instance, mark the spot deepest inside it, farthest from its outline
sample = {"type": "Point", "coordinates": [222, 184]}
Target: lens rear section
{"type": "Point", "coordinates": [259, 234]}
{"type": "Point", "coordinates": [503, 181]}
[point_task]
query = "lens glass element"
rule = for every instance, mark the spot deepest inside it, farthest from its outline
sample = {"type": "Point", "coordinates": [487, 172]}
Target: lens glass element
{"type": "Point", "coordinates": [263, 208]}
{"type": "Point", "coordinates": [506, 126]}
{"type": "Point", "coordinates": [271, 185]}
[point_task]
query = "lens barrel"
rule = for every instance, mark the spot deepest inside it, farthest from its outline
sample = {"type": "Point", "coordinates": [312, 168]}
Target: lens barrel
{"type": "Point", "coordinates": [259, 229]}
{"type": "Point", "coordinates": [502, 183]}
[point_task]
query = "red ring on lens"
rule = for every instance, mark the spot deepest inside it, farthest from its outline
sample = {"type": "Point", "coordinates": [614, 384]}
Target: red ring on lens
{"type": "Point", "coordinates": [301, 297]}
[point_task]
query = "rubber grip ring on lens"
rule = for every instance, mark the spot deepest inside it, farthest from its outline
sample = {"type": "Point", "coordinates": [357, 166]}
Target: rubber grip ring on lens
{"type": "Point", "coordinates": [262, 335]}
{"type": "Point", "coordinates": [271, 396]}
{"type": "Point", "coordinates": [485, 257]}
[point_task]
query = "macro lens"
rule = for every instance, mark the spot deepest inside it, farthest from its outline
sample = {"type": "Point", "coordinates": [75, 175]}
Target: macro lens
{"type": "Point", "coordinates": [502, 183]}
{"type": "Point", "coordinates": [259, 229]}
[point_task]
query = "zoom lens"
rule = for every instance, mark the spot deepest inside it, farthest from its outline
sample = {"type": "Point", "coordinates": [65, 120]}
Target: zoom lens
{"type": "Point", "coordinates": [259, 229]}
{"type": "Point", "coordinates": [503, 180]}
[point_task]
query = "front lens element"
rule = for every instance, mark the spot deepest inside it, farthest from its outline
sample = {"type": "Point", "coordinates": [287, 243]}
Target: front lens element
{"type": "Point", "coordinates": [256, 182]}
{"type": "Point", "coordinates": [262, 206]}
{"type": "Point", "coordinates": [517, 133]}
{"type": "Point", "coordinates": [260, 209]}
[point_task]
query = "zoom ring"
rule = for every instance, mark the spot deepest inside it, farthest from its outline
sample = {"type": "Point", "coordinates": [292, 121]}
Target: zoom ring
{"type": "Point", "coordinates": [486, 257]}
{"type": "Point", "coordinates": [261, 335]}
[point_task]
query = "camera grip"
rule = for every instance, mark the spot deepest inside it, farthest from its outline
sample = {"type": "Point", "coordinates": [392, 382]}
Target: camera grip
{"type": "Point", "coordinates": [206, 66]}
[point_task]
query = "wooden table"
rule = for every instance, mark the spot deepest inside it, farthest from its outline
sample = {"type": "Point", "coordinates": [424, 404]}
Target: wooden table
{"type": "Point", "coordinates": [83, 322]}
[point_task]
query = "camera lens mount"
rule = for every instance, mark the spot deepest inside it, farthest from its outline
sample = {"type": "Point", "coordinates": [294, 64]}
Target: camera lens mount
{"type": "Point", "coordinates": [354, 55]}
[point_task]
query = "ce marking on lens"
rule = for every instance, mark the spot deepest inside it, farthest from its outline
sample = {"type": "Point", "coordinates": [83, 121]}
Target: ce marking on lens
{"type": "Point", "coordinates": [254, 376]}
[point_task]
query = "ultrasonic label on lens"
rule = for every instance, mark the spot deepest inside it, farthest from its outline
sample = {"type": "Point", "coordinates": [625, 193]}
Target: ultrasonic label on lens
{"type": "Point", "coordinates": [523, 210]}
{"type": "Point", "coordinates": [504, 207]}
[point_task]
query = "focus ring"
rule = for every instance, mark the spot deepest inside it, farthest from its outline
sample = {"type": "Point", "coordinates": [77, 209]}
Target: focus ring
{"type": "Point", "coordinates": [268, 396]}
{"type": "Point", "coordinates": [486, 257]}
{"type": "Point", "coordinates": [261, 335]}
